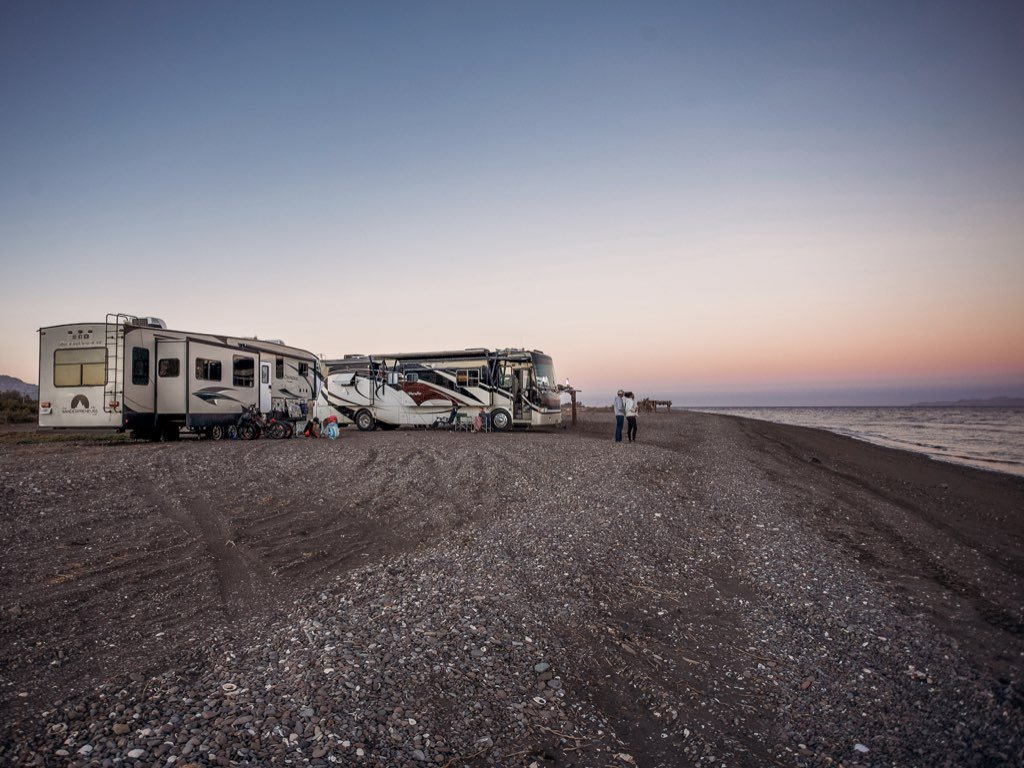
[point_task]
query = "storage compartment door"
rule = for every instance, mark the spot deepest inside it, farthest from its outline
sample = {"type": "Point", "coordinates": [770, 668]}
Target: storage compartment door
{"type": "Point", "coordinates": [171, 372]}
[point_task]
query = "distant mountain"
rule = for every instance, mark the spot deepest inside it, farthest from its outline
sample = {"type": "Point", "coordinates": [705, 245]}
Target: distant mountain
{"type": "Point", "coordinates": [11, 384]}
{"type": "Point", "coordinates": [996, 402]}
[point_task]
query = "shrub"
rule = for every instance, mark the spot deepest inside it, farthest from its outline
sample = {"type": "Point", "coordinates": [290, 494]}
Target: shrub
{"type": "Point", "coordinates": [16, 408]}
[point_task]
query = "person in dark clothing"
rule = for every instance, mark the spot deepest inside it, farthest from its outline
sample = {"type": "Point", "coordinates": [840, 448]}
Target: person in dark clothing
{"type": "Point", "coordinates": [619, 407]}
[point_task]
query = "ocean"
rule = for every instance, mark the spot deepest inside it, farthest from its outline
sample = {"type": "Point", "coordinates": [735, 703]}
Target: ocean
{"type": "Point", "coordinates": [986, 437]}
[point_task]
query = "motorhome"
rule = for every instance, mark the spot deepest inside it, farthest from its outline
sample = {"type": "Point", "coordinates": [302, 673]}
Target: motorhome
{"type": "Point", "coordinates": [133, 373]}
{"type": "Point", "coordinates": [515, 387]}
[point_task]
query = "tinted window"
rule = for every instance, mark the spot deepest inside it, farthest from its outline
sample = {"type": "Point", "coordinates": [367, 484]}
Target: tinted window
{"type": "Point", "coordinates": [303, 369]}
{"type": "Point", "coordinates": [140, 366]}
{"type": "Point", "coordinates": [168, 368]}
{"type": "Point", "coordinates": [243, 371]}
{"type": "Point", "coordinates": [279, 367]}
{"type": "Point", "coordinates": [80, 367]}
{"type": "Point", "coordinates": [207, 370]}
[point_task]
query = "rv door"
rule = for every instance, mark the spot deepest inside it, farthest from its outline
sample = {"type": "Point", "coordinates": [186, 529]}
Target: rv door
{"type": "Point", "coordinates": [171, 373]}
{"type": "Point", "coordinates": [264, 387]}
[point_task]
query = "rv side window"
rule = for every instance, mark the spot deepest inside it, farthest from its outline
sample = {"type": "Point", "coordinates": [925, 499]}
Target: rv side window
{"type": "Point", "coordinates": [279, 368]}
{"type": "Point", "coordinates": [80, 367]}
{"type": "Point", "coordinates": [264, 374]}
{"type": "Point", "coordinates": [207, 370]}
{"type": "Point", "coordinates": [168, 368]}
{"type": "Point", "coordinates": [140, 366]}
{"type": "Point", "coordinates": [243, 372]}
{"type": "Point", "coordinates": [468, 377]}
{"type": "Point", "coordinates": [303, 369]}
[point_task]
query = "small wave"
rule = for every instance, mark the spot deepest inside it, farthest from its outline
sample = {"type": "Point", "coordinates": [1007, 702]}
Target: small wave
{"type": "Point", "coordinates": [983, 460]}
{"type": "Point", "coordinates": [931, 447]}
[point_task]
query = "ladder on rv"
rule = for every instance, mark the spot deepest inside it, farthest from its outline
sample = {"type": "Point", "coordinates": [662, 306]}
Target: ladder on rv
{"type": "Point", "coordinates": [113, 390]}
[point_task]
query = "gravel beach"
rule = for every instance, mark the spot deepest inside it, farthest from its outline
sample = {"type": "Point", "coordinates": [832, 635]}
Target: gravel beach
{"type": "Point", "coordinates": [723, 592]}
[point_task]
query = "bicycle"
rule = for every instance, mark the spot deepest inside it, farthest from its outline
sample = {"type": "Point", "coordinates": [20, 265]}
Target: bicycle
{"type": "Point", "coordinates": [252, 424]}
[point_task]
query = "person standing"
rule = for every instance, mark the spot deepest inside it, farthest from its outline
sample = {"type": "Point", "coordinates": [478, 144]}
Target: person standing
{"type": "Point", "coordinates": [630, 407]}
{"type": "Point", "coordinates": [619, 407]}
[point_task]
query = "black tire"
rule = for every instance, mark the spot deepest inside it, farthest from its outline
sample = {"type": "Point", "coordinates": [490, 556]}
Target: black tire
{"type": "Point", "coordinates": [248, 431]}
{"type": "Point", "coordinates": [276, 431]}
{"type": "Point", "coordinates": [217, 432]}
{"type": "Point", "coordinates": [364, 421]}
{"type": "Point", "coordinates": [501, 420]}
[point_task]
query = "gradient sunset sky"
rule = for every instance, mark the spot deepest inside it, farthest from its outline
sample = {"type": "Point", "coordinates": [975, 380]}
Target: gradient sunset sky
{"type": "Point", "coordinates": [719, 203]}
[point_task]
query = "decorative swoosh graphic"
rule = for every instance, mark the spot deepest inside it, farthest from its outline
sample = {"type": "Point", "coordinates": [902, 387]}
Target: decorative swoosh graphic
{"type": "Point", "coordinates": [214, 395]}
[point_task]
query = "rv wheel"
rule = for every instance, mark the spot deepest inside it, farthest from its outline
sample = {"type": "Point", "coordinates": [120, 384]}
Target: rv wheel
{"type": "Point", "coordinates": [217, 432]}
{"type": "Point", "coordinates": [501, 421]}
{"type": "Point", "coordinates": [365, 421]}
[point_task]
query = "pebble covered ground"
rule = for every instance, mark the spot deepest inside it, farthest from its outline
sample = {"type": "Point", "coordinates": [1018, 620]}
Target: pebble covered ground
{"type": "Point", "coordinates": [715, 594]}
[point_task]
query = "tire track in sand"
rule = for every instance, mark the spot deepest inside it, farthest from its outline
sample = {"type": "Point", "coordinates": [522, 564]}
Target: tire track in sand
{"type": "Point", "coordinates": [244, 582]}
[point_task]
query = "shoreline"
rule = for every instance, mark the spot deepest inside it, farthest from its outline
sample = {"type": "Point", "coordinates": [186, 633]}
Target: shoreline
{"type": "Point", "coordinates": [726, 587]}
{"type": "Point", "coordinates": [935, 452]}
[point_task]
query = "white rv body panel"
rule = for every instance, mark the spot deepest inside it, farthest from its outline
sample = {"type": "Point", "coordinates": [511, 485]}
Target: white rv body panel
{"type": "Point", "coordinates": [514, 386]}
{"type": "Point", "coordinates": [73, 364]}
{"type": "Point", "coordinates": [150, 379]}
{"type": "Point", "coordinates": [213, 387]}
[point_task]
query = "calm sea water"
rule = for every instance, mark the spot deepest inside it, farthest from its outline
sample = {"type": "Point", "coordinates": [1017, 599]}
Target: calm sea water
{"type": "Point", "coordinates": [990, 438]}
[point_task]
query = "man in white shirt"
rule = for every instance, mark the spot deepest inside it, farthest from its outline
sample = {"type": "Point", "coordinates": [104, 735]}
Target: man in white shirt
{"type": "Point", "coordinates": [630, 406]}
{"type": "Point", "coordinates": [619, 407]}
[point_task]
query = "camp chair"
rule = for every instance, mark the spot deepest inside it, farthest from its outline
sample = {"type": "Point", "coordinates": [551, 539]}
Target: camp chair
{"type": "Point", "coordinates": [451, 421]}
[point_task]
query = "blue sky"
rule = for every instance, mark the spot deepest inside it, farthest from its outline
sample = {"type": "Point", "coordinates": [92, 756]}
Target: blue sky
{"type": "Point", "coordinates": [744, 200]}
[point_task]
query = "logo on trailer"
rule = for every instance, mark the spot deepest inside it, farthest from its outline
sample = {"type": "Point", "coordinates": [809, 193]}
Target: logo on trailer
{"type": "Point", "coordinates": [80, 405]}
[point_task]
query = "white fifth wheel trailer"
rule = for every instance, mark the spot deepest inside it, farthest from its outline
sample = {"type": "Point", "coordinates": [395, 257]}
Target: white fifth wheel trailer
{"type": "Point", "coordinates": [131, 373]}
{"type": "Point", "coordinates": [516, 387]}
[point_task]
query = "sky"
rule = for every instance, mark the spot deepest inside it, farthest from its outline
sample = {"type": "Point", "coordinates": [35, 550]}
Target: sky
{"type": "Point", "coordinates": [718, 203]}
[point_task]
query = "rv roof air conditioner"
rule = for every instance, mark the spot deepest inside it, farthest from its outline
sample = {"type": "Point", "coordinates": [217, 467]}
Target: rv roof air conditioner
{"type": "Point", "coordinates": [152, 322]}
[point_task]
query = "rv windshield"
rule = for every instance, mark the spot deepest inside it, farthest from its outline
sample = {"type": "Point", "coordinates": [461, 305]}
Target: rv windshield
{"type": "Point", "coordinates": [545, 370]}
